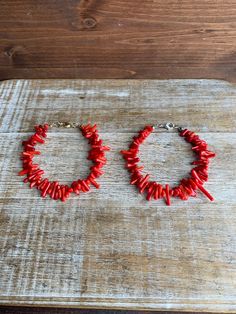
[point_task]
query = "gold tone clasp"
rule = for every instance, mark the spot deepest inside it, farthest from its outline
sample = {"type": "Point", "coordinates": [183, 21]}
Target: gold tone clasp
{"type": "Point", "coordinates": [60, 124]}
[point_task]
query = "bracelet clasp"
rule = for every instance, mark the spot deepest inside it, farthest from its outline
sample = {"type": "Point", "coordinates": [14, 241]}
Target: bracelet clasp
{"type": "Point", "coordinates": [60, 124]}
{"type": "Point", "coordinates": [168, 126]}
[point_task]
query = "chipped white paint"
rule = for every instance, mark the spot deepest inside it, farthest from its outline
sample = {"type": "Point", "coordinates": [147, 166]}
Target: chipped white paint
{"type": "Point", "coordinates": [106, 92]}
{"type": "Point", "coordinates": [79, 92]}
{"type": "Point", "coordinates": [110, 248]}
{"type": "Point", "coordinates": [65, 91]}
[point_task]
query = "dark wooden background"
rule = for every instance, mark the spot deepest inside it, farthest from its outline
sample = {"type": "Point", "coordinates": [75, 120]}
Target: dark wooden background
{"type": "Point", "coordinates": [118, 39]}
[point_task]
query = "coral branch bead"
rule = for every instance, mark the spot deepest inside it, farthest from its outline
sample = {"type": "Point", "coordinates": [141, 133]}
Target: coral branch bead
{"type": "Point", "coordinates": [187, 187]}
{"type": "Point", "coordinates": [53, 189]}
{"type": "Point", "coordinates": [167, 192]}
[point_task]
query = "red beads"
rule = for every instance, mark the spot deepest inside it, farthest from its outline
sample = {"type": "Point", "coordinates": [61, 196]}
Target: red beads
{"type": "Point", "coordinates": [187, 187]}
{"type": "Point", "coordinates": [55, 190]}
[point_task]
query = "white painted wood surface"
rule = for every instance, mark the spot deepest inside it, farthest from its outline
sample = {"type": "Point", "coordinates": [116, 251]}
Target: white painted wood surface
{"type": "Point", "coordinates": [111, 248]}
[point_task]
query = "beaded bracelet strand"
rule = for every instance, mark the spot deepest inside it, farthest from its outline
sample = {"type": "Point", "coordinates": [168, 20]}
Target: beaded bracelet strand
{"type": "Point", "coordinates": [54, 189]}
{"type": "Point", "coordinates": [188, 186]}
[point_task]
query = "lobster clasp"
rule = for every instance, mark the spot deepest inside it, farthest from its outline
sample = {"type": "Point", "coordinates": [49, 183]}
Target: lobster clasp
{"type": "Point", "coordinates": [66, 124]}
{"type": "Point", "coordinates": [169, 126]}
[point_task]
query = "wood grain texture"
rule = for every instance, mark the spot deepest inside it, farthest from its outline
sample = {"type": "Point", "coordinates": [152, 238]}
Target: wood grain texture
{"type": "Point", "coordinates": [118, 39]}
{"type": "Point", "coordinates": [110, 248]}
{"type": "Point", "coordinates": [40, 310]}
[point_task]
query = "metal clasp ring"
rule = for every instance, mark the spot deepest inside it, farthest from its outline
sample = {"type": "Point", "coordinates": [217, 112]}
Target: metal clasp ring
{"type": "Point", "coordinates": [168, 126]}
{"type": "Point", "coordinates": [60, 124]}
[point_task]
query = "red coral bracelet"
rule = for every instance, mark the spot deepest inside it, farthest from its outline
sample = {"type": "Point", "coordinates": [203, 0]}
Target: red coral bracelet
{"type": "Point", "coordinates": [188, 186]}
{"type": "Point", "coordinates": [55, 190]}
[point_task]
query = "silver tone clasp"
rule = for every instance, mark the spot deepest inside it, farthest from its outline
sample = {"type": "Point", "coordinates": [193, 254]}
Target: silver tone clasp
{"type": "Point", "coordinates": [168, 126]}
{"type": "Point", "coordinates": [60, 124]}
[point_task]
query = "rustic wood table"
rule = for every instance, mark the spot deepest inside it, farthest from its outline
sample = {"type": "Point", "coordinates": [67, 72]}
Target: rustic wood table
{"type": "Point", "coordinates": [111, 248]}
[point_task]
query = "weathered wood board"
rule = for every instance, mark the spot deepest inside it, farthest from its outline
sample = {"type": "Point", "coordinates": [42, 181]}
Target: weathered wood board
{"type": "Point", "coordinates": [111, 248]}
